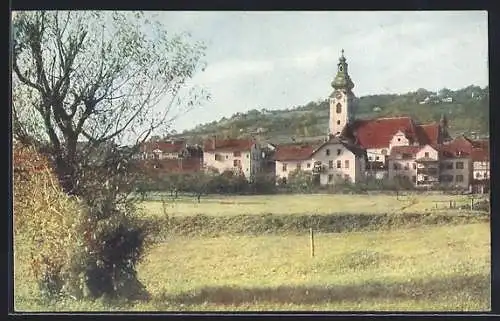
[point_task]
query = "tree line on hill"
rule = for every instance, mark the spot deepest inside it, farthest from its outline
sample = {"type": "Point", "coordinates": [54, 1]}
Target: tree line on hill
{"type": "Point", "coordinates": [467, 110]}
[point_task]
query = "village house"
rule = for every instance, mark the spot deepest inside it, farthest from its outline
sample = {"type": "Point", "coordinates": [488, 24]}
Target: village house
{"type": "Point", "coordinates": [418, 164]}
{"type": "Point", "coordinates": [242, 156]}
{"type": "Point", "coordinates": [333, 161]}
{"type": "Point", "coordinates": [450, 164]}
{"type": "Point", "coordinates": [171, 149]}
{"type": "Point", "coordinates": [379, 136]}
{"type": "Point", "coordinates": [291, 157]}
{"type": "Point", "coordinates": [481, 167]}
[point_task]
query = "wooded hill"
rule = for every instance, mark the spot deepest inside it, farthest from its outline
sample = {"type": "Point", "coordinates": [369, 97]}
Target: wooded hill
{"type": "Point", "coordinates": [467, 110]}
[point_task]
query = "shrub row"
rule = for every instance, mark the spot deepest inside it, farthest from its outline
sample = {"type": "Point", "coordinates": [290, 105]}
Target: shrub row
{"type": "Point", "coordinates": [203, 225]}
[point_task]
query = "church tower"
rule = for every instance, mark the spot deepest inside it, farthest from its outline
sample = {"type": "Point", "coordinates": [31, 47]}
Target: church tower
{"type": "Point", "coordinates": [342, 99]}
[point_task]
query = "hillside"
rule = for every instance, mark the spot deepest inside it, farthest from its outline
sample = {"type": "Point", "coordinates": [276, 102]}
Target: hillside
{"type": "Point", "coordinates": [467, 110]}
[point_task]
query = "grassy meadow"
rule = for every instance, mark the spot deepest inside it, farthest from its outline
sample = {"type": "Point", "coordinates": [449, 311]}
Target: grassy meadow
{"type": "Point", "coordinates": [301, 204]}
{"type": "Point", "coordinates": [439, 267]}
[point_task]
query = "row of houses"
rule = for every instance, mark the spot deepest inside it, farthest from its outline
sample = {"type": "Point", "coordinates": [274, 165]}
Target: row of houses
{"type": "Point", "coordinates": [391, 150]}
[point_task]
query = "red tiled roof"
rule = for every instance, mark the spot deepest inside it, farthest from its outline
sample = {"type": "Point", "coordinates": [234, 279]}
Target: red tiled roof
{"type": "Point", "coordinates": [481, 143]}
{"type": "Point", "coordinates": [377, 133]}
{"type": "Point", "coordinates": [229, 144]}
{"type": "Point", "coordinates": [166, 147]}
{"type": "Point", "coordinates": [458, 147]}
{"type": "Point", "coordinates": [293, 152]}
{"type": "Point", "coordinates": [480, 154]}
{"type": "Point", "coordinates": [428, 133]}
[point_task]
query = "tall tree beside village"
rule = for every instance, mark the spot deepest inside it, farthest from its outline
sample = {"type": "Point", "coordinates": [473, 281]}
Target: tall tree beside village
{"type": "Point", "coordinates": [97, 77]}
{"type": "Point", "coordinates": [101, 78]}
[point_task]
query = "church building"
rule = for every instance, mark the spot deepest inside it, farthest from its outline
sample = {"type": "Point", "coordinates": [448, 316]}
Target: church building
{"type": "Point", "coordinates": [387, 147]}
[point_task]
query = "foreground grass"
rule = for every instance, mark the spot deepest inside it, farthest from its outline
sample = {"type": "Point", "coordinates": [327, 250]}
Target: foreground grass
{"type": "Point", "coordinates": [440, 268]}
{"type": "Point", "coordinates": [302, 204]}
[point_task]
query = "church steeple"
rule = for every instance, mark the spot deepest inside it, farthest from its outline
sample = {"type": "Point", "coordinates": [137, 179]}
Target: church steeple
{"type": "Point", "coordinates": [342, 100]}
{"type": "Point", "coordinates": [443, 129]}
{"type": "Point", "coordinates": [342, 79]}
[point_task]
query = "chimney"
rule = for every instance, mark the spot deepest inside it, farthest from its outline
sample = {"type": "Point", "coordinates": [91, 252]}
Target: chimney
{"type": "Point", "coordinates": [214, 141]}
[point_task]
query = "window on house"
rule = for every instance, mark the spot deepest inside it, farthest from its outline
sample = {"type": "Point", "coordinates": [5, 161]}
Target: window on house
{"type": "Point", "coordinates": [459, 165]}
{"type": "Point", "coordinates": [370, 158]}
{"type": "Point", "coordinates": [218, 157]}
{"type": "Point", "coordinates": [339, 164]}
{"type": "Point", "coordinates": [459, 178]}
{"type": "Point", "coordinates": [237, 154]}
{"type": "Point", "coordinates": [377, 157]}
{"type": "Point", "coordinates": [426, 178]}
{"type": "Point", "coordinates": [308, 165]}
{"type": "Point", "coordinates": [407, 166]}
{"type": "Point", "coordinates": [346, 163]}
{"type": "Point", "coordinates": [330, 178]}
{"type": "Point", "coordinates": [399, 139]}
{"type": "Point", "coordinates": [446, 178]}
{"type": "Point", "coordinates": [395, 166]}
{"type": "Point", "coordinates": [236, 163]}
{"type": "Point", "coordinates": [449, 165]}
{"type": "Point", "coordinates": [347, 177]}
{"type": "Point", "coordinates": [384, 151]}
{"type": "Point", "coordinates": [478, 175]}
{"type": "Point", "coordinates": [227, 156]}
{"type": "Point", "coordinates": [298, 166]}
{"type": "Point", "coordinates": [327, 152]}
{"type": "Point", "coordinates": [284, 167]}
{"type": "Point", "coordinates": [426, 154]}
{"type": "Point", "coordinates": [338, 122]}
{"type": "Point", "coordinates": [414, 166]}
{"type": "Point", "coordinates": [339, 108]}
{"type": "Point", "coordinates": [330, 164]}
{"type": "Point", "coordinates": [339, 151]}
{"type": "Point", "coordinates": [248, 155]}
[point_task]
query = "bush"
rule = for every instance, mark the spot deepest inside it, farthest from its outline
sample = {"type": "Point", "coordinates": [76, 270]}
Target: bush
{"type": "Point", "coordinates": [46, 221]}
{"type": "Point", "coordinates": [86, 247]}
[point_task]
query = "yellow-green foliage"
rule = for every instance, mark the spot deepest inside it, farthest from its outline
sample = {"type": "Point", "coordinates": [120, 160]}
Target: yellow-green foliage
{"type": "Point", "coordinates": [46, 220]}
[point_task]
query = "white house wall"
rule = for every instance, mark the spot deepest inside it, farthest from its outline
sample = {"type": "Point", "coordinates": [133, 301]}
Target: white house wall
{"type": "Point", "coordinates": [250, 161]}
{"type": "Point", "coordinates": [345, 154]}
{"type": "Point", "coordinates": [481, 170]}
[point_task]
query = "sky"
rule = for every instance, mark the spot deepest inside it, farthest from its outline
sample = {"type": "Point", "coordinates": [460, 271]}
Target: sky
{"type": "Point", "coordinates": [282, 59]}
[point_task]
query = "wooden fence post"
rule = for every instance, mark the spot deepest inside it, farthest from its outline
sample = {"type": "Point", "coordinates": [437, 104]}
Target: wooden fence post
{"type": "Point", "coordinates": [311, 233]}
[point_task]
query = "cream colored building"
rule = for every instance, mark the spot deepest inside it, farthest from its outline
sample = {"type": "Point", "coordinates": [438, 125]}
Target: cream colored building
{"type": "Point", "coordinates": [242, 156]}
{"type": "Point", "coordinates": [335, 160]}
{"type": "Point", "coordinates": [340, 162]}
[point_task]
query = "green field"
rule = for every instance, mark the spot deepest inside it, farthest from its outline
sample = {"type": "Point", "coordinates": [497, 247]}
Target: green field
{"type": "Point", "coordinates": [422, 268]}
{"type": "Point", "coordinates": [301, 204]}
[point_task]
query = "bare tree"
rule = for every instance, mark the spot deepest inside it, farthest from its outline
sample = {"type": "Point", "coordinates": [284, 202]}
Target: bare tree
{"type": "Point", "coordinates": [97, 77]}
